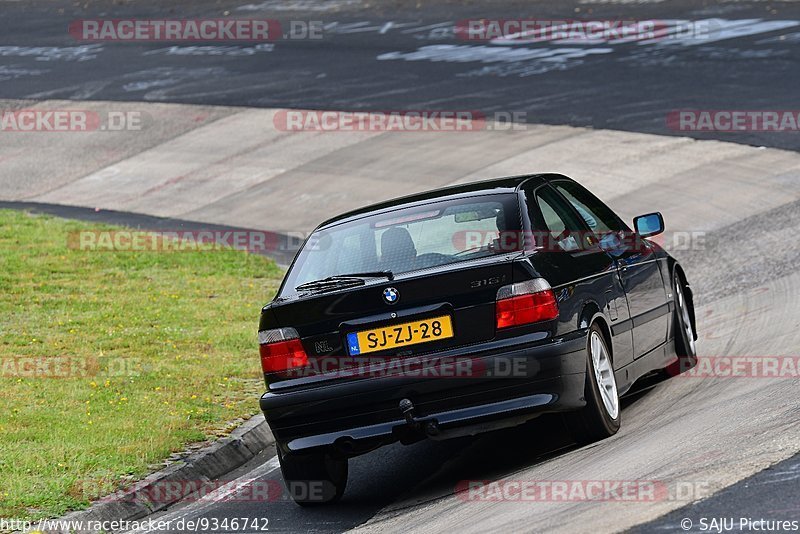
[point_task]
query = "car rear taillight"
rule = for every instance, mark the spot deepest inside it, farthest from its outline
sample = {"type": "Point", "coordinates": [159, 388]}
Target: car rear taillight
{"type": "Point", "coordinates": [525, 303]}
{"type": "Point", "coordinates": [281, 350]}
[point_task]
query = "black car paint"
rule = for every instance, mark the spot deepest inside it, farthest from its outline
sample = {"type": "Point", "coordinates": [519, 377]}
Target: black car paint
{"type": "Point", "coordinates": [628, 291]}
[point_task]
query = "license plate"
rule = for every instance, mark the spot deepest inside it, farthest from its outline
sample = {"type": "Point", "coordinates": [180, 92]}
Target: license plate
{"type": "Point", "coordinates": [400, 335]}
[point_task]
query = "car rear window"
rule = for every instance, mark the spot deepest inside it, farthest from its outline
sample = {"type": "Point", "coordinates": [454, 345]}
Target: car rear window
{"type": "Point", "coordinates": [409, 239]}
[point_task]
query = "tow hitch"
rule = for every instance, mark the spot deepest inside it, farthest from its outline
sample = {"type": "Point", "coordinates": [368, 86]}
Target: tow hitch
{"type": "Point", "coordinates": [429, 427]}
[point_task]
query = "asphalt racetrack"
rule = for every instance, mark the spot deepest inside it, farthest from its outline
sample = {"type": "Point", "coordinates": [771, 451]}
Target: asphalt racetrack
{"type": "Point", "coordinates": [717, 445]}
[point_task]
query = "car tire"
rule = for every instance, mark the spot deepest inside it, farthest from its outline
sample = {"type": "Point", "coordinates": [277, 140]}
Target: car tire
{"type": "Point", "coordinates": [601, 416]}
{"type": "Point", "coordinates": [683, 333]}
{"type": "Point", "coordinates": [314, 478]}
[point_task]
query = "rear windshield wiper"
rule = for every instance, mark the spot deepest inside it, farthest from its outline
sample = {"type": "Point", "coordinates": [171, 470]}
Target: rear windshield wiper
{"type": "Point", "coordinates": [366, 274]}
{"type": "Point", "coordinates": [343, 280]}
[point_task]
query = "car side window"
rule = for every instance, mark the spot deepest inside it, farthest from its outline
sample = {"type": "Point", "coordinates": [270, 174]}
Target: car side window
{"type": "Point", "coordinates": [597, 216]}
{"type": "Point", "coordinates": [555, 224]}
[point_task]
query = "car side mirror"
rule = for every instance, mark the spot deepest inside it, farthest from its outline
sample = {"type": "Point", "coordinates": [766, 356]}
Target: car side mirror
{"type": "Point", "coordinates": [649, 225]}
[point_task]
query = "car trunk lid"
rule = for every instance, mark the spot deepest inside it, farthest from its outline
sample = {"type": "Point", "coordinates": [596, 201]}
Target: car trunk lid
{"type": "Point", "coordinates": [416, 313]}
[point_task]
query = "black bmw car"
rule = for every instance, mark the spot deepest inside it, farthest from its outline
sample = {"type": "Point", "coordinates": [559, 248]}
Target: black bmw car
{"type": "Point", "coordinates": [464, 310]}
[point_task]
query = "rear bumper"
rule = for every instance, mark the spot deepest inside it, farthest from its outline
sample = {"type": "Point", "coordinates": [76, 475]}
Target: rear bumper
{"type": "Point", "coordinates": [358, 414]}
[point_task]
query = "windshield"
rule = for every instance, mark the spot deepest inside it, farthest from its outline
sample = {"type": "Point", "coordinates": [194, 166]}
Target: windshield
{"type": "Point", "coordinates": [408, 239]}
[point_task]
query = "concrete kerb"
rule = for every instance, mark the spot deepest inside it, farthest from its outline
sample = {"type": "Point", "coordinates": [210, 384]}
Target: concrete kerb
{"type": "Point", "coordinates": [207, 464]}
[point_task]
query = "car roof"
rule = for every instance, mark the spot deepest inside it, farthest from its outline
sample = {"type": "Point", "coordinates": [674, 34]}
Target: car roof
{"type": "Point", "coordinates": [508, 184]}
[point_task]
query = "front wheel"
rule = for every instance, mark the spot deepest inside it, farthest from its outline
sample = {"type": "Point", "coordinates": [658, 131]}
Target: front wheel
{"type": "Point", "coordinates": [682, 331]}
{"type": "Point", "coordinates": [314, 478]}
{"type": "Point", "coordinates": [600, 418]}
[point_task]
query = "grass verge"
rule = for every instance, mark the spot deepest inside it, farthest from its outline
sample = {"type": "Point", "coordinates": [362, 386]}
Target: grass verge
{"type": "Point", "coordinates": [111, 361]}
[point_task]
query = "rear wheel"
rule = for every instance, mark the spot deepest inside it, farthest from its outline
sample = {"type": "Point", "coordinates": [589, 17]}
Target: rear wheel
{"type": "Point", "coordinates": [600, 418]}
{"type": "Point", "coordinates": [314, 479]}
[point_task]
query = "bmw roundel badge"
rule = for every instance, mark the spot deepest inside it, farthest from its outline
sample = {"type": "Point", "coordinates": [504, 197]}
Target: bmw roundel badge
{"type": "Point", "coordinates": [390, 295]}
